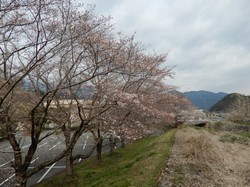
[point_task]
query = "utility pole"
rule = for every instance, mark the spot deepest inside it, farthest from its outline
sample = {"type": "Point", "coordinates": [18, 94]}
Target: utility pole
{"type": "Point", "coordinates": [205, 103]}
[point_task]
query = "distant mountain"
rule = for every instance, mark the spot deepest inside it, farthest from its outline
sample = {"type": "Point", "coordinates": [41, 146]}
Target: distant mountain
{"type": "Point", "coordinates": [230, 102]}
{"type": "Point", "coordinates": [204, 99]}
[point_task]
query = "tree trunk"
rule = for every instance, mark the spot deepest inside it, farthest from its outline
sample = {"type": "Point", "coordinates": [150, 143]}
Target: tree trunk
{"type": "Point", "coordinates": [69, 163]}
{"type": "Point", "coordinates": [112, 144]}
{"type": "Point", "coordinates": [21, 179]}
{"type": "Point", "coordinates": [122, 143]}
{"type": "Point", "coordinates": [99, 149]}
{"type": "Point", "coordinates": [20, 171]}
{"type": "Point", "coordinates": [69, 156]}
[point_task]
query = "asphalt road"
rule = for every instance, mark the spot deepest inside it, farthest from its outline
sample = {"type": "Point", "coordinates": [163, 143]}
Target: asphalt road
{"type": "Point", "coordinates": [47, 149]}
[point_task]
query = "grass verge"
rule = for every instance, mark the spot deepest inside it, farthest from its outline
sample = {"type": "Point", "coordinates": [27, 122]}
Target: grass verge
{"type": "Point", "coordinates": [242, 138]}
{"type": "Point", "coordinates": [138, 164]}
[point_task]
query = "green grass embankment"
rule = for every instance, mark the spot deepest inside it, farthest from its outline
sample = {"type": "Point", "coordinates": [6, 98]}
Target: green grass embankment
{"type": "Point", "coordinates": [236, 137]}
{"type": "Point", "coordinates": [138, 164]}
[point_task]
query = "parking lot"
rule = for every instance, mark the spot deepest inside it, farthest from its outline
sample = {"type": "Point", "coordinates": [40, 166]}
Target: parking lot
{"type": "Point", "coordinates": [47, 150]}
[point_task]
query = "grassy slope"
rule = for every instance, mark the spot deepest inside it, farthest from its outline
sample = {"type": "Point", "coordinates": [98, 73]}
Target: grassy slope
{"type": "Point", "coordinates": [236, 137]}
{"type": "Point", "coordinates": [138, 164]}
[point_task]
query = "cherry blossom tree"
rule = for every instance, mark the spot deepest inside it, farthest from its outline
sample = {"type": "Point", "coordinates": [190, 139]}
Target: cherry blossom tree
{"type": "Point", "coordinates": [136, 95]}
{"type": "Point", "coordinates": [132, 93]}
{"type": "Point", "coordinates": [40, 47]}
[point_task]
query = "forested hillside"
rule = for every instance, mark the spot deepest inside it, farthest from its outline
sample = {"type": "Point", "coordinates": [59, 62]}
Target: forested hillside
{"type": "Point", "coordinates": [231, 102]}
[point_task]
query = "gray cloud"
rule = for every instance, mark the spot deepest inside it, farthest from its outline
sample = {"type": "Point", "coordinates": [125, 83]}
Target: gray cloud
{"type": "Point", "coordinates": [208, 40]}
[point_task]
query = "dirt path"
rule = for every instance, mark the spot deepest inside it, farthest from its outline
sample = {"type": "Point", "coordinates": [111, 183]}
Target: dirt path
{"type": "Point", "coordinates": [200, 159]}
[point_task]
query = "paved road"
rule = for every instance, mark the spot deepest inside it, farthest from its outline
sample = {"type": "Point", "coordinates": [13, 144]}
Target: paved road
{"type": "Point", "coordinates": [47, 149]}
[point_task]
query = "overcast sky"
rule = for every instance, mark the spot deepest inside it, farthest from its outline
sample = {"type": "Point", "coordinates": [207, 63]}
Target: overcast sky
{"type": "Point", "coordinates": [208, 40]}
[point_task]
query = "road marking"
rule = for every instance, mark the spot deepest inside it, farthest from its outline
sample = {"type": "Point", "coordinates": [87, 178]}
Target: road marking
{"type": "Point", "coordinates": [85, 143]}
{"type": "Point", "coordinates": [7, 148]}
{"type": "Point", "coordinates": [58, 167]}
{"type": "Point", "coordinates": [34, 160]}
{"type": "Point", "coordinates": [84, 146]}
{"type": "Point", "coordinates": [6, 168]}
{"type": "Point", "coordinates": [54, 146]}
{"type": "Point", "coordinates": [6, 180]}
{"type": "Point", "coordinates": [26, 146]}
{"type": "Point", "coordinates": [43, 144]}
{"type": "Point", "coordinates": [55, 167]}
{"type": "Point", "coordinates": [10, 147]}
{"type": "Point", "coordinates": [6, 163]}
{"type": "Point", "coordinates": [52, 137]}
{"type": "Point", "coordinates": [46, 172]}
{"type": "Point", "coordinates": [13, 160]}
